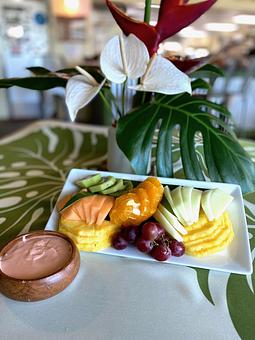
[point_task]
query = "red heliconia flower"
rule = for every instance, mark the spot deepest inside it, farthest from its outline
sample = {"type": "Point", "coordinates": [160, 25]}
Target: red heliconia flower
{"type": "Point", "coordinates": [173, 16]}
{"type": "Point", "coordinates": [188, 65]}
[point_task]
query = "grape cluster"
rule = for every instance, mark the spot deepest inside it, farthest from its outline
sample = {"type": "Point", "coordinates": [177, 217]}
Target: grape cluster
{"type": "Point", "coordinates": [149, 238]}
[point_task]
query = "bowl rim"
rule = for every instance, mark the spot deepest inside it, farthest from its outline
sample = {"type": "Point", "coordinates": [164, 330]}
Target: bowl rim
{"type": "Point", "coordinates": [40, 233]}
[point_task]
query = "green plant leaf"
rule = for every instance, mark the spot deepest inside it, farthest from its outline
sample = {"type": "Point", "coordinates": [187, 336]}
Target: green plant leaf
{"type": "Point", "coordinates": [45, 79]}
{"type": "Point", "coordinates": [200, 84]}
{"type": "Point", "coordinates": [164, 148]}
{"type": "Point", "coordinates": [93, 70]}
{"type": "Point", "coordinates": [203, 281]}
{"type": "Point", "coordinates": [40, 83]}
{"type": "Point", "coordinates": [139, 145]}
{"type": "Point", "coordinates": [209, 69]}
{"type": "Point", "coordinates": [38, 70]}
{"type": "Point", "coordinates": [225, 158]}
{"type": "Point", "coordinates": [241, 301]}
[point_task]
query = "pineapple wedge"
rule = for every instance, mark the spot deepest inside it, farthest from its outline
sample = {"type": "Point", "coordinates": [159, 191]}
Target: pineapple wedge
{"type": "Point", "coordinates": [89, 237]}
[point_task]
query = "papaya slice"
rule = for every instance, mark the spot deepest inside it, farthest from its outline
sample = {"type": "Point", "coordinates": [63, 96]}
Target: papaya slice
{"type": "Point", "coordinates": [63, 201]}
{"type": "Point", "coordinates": [92, 209]}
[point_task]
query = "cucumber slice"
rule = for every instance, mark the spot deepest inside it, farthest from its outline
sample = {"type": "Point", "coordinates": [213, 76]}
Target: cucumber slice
{"type": "Point", "coordinates": [89, 181]}
{"type": "Point", "coordinates": [127, 188]}
{"type": "Point", "coordinates": [118, 186]}
{"type": "Point", "coordinates": [128, 185]}
{"type": "Point", "coordinates": [105, 183]}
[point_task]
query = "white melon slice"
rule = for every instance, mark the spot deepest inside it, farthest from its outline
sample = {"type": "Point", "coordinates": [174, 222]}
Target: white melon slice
{"type": "Point", "coordinates": [186, 193]}
{"type": "Point", "coordinates": [206, 204]}
{"type": "Point", "coordinates": [172, 220]}
{"type": "Point", "coordinates": [196, 202]}
{"type": "Point", "coordinates": [167, 226]}
{"type": "Point", "coordinates": [183, 210]}
{"type": "Point", "coordinates": [175, 209]}
{"type": "Point", "coordinates": [220, 201]}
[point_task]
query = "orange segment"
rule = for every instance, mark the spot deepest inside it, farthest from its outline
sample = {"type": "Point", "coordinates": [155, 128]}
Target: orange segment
{"type": "Point", "coordinates": [138, 205]}
{"type": "Point", "coordinates": [126, 208]}
{"type": "Point", "coordinates": [155, 192]}
{"type": "Point", "coordinates": [144, 199]}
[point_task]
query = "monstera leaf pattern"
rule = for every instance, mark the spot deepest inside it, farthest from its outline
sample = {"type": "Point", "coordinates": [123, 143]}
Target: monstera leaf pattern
{"type": "Point", "coordinates": [33, 167]}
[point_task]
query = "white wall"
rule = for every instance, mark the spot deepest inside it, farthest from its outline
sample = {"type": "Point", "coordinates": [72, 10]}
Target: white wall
{"type": "Point", "coordinates": [17, 54]}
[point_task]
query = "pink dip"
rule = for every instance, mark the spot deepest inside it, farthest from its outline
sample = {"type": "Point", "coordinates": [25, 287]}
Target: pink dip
{"type": "Point", "coordinates": [36, 257]}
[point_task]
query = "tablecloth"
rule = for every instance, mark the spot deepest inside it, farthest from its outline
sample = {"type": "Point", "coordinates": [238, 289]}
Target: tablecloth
{"type": "Point", "coordinates": [119, 298]}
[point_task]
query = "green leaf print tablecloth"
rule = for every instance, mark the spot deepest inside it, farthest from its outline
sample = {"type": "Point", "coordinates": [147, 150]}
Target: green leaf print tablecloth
{"type": "Point", "coordinates": [113, 298]}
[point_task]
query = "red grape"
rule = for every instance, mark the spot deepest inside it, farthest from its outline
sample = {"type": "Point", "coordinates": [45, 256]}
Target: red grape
{"type": "Point", "coordinates": [162, 239]}
{"type": "Point", "coordinates": [129, 234]}
{"type": "Point", "coordinates": [145, 246]}
{"type": "Point", "coordinates": [161, 252]}
{"type": "Point", "coordinates": [118, 242]}
{"type": "Point", "coordinates": [177, 248]}
{"type": "Point", "coordinates": [161, 230]}
{"type": "Point", "coordinates": [150, 231]}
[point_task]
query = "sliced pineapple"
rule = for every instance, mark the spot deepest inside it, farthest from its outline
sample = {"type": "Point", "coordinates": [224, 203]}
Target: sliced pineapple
{"type": "Point", "coordinates": [89, 237]}
{"type": "Point", "coordinates": [208, 237]}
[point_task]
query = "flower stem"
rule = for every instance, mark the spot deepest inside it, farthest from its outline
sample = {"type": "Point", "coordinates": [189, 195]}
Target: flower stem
{"type": "Point", "coordinates": [105, 101]}
{"type": "Point", "coordinates": [147, 11]}
{"type": "Point", "coordinates": [143, 97]}
{"type": "Point", "coordinates": [123, 97]}
{"type": "Point", "coordinates": [107, 104]}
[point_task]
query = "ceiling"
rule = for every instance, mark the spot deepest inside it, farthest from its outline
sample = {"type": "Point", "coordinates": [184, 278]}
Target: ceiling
{"type": "Point", "coordinates": [240, 5]}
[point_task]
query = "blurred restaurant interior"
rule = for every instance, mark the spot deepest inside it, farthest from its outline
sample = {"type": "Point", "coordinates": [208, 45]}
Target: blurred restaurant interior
{"type": "Point", "coordinates": [58, 34]}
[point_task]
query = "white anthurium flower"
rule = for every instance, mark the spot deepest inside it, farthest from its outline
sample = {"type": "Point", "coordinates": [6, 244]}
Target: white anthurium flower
{"type": "Point", "coordinates": [162, 76]}
{"type": "Point", "coordinates": [80, 90]}
{"type": "Point", "coordinates": [124, 57]}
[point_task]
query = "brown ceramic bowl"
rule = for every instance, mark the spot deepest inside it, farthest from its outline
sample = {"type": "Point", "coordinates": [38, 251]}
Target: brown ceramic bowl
{"type": "Point", "coordinates": [44, 287]}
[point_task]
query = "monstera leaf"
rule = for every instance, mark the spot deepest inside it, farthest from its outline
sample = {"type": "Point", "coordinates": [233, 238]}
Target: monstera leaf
{"type": "Point", "coordinates": [225, 159]}
{"type": "Point", "coordinates": [33, 168]}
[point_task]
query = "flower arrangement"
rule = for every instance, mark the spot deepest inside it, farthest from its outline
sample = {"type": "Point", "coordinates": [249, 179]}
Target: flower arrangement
{"type": "Point", "coordinates": [124, 58]}
{"type": "Point", "coordinates": [164, 98]}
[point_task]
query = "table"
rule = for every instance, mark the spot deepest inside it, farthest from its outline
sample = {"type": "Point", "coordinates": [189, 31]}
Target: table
{"type": "Point", "coordinates": [111, 298]}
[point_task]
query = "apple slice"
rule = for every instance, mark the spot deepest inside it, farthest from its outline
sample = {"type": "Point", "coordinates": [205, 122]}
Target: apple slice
{"type": "Point", "coordinates": [220, 201]}
{"type": "Point", "coordinates": [196, 202]}
{"type": "Point", "coordinates": [175, 209]}
{"type": "Point", "coordinates": [180, 205]}
{"type": "Point", "coordinates": [167, 226]}
{"type": "Point", "coordinates": [172, 220]}
{"type": "Point", "coordinates": [186, 193]}
{"type": "Point", "coordinates": [206, 204]}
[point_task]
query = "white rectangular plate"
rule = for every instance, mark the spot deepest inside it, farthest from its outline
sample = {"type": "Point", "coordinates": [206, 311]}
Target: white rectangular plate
{"type": "Point", "coordinates": [235, 259]}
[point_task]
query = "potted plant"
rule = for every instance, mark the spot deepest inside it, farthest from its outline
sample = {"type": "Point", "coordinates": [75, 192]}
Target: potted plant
{"type": "Point", "coordinates": [163, 98]}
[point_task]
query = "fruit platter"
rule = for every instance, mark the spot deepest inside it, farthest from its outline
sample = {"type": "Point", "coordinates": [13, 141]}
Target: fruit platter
{"type": "Point", "coordinates": [191, 223]}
